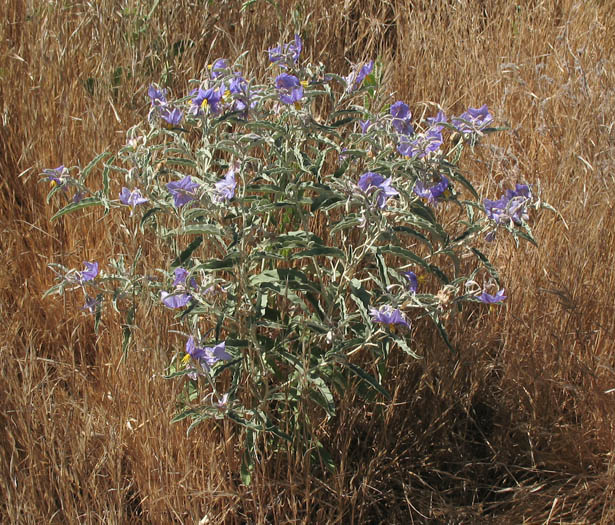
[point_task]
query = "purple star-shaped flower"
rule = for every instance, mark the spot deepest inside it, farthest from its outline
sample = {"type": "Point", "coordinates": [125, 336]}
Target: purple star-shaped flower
{"type": "Point", "coordinates": [422, 145]}
{"type": "Point", "coordinates": [388, 315]}
{"type": "Point", "coordinates": [175, 300]}
{"type": "Point", "coordinates": [207, 356]}
{"type": "Point", "coordinates": [358, 72]}
{"type": "Point", "coordinates": [180, 296]}
{"type": "Point", "coordinates": [219, 67]}
{"type": "Point", "coordinates": [511, 207]}
{"type": "Point", "coordinates": [287, 55]}
{"type": "Point", "coordinates": [413, 284]}
{"type": "Point", "coordinates": [492, 299]}
{"type": "Point", "coordinates": [472, 120]}
{"type": "Point", "coordinates": [172, 117]}
{"type": "Point", "coordinates": [225, 188]}
{"type": "Point", "coordinates": [206, 99]}
{"type": "Point", "coordinates": [437, 121]}
{"type": "Point", "coordinates": [364, 124]}
{"type": "Point", "coordinates": [56, 175]}
{"type": "Point", "coordinates": [289, 88]}
{"type": "Point", "coordinates": [371, 181]}
{"type": "Point", "coordinates": [91, 304]}
{"type": "Point", "coordinates": [132, 198]}
{"type": "Point", "coordinates": [243, 99]}
{"type": "Point", "coordinates": [157, 96]}
{"type": "Point", "coordinates": [180, 275]}
{"type": "Point", "coordinates": [401, 118]}
{"type": "Point", "coordinates": [90, 272]}
{"type": "Point", "coordinates": [183, 191]}
{"type": "Point", "coordinates": [432, 192]}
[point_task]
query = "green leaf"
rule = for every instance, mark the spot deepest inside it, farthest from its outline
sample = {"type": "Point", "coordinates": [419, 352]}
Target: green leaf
{"type": "Point", "coordinates": [294, 278]}
{"type": "Point", "coordinates": [147, 215]}
{"type": "Point", "coordinates": [414, 233]}
{"type": "Point", "coordinates": [197, 229]}
{"type": "Point", "coordinates": [407, 254]}
{"type": "Point", "coordinates": [74, 206]}
{"type": "Point", "coordinates": [191, 412]}
{"type": "Point", "coordinates": [220, 264]}
{"type": "Point", "coordinates": [106, 170]}
{"type": "Point", "coordinates": [178, 373]}
{"type": "Point", "coordinates": [465, 182]}
{"type": "Point", "coordinates": [350, 221]}
{"type": "Point", "coordinates": [443, 333]}
{"type": "Point", "coordinates": [483, 258]}
{"type": "Point", "coordinates": [185, 255]}
{"type": "Point", "coordinates": [401, 342]}
{"type": "Point", "coordinates": [247, 466]}
{"type": "Point", "coordinates": [369, 379]}
{"type": "Point", "coordinates": [322, 396]}
{"type": "Point", "coordinates": [86, 171]}
{"type": "Point", "coordinates": [326, 251]}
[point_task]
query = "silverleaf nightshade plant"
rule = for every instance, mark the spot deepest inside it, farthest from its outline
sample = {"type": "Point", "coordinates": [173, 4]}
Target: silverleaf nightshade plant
{"type": "Point", "coordinates": [281, 325]}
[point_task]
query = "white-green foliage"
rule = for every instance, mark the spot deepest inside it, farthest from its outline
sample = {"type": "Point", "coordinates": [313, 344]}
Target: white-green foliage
{"type": "Point", "coordinates": [290, 271]}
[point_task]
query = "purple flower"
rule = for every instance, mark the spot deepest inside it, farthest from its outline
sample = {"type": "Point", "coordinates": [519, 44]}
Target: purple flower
{"type": "Point", "coordinates": [219, 67]}
{"type": "Point", "coordinates": [491, 299]}
{"type": "Point", "coordinates": [413, 284]}
{"type": "Point", "coordinates": [289, 88]}
{"type": "Point", "coordinates": [78, 197]}
{"type": "Point", "coordinates": [56, 175]}
{"type": "Point", "coordinates": [91, 304]}
{"type": "Point", "coordinates": [173, 118]}
{"type": "Point", "coordinates": [242, 99]}
{"type": "Point", "coordinates": [511, 207]}
{"type": "Point", "coordinates": [287, 55]}
{"type": "Point", "coordinates": [435, 122]}
{"type": "Point", "coordinates": [422, 145]}
{"type": "Point", "coordinates": [357, 74]}
{"type": "Point", "coordinates": [179, 298]}
{"type": "Point", "coordinates": [157, 96]}
{"type": "Point", "coordinates": [183, 191]}
{"type": "Point", "coordinates": [432, 192]}
{"type": "Point", "coordinates": [175, 300]}
{"type": "Point", "coordinates": [131, 198]}
{"type": "Point", "coordinates": [401, 118]}
{"type": "Point", "coordinates": [225, 188]}
{"type": "Point", "coordinates": [180, 278]}
{"type": "Point", "coordinates": [388, 315]}
{"type": "Point", "coordinates": [365, 124]}
{"type": "Point", "coordinates": [400, 110]}
{"type": "Point", "coordinates": [90, 272]}
{"type": "Point", "coordinates": [472, 120]}
{"type": "Point", "coordinates": [206, 99]}
{"type": "Point", "coordinates": [371, 181]}
{"type": "Point", "coordinates": [207, 356]}
{"type": "Point", "coordinates": [222, 402]}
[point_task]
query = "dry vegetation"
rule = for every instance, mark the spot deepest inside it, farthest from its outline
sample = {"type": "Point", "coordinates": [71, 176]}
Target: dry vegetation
{"type": "Point", "coordinates": [518, 427]}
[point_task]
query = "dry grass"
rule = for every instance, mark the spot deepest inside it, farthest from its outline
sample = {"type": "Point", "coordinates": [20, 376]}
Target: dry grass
{"type": "Point", "coordinates": [518, 427]}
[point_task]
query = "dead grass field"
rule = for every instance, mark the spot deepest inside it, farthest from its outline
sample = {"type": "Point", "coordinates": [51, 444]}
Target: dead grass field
{"type": "Point", "coordinates": [519, 427]}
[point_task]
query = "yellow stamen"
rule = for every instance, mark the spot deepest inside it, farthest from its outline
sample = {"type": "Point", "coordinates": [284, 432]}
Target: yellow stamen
{"type": "Point", "coordinates": [186, 359]}
{"type": "Point", "coordinates": [304, 83]}
{"type": "Point", "coordinates": [297, 105]}
{"type": "Point", "coordinates": [204, 104]}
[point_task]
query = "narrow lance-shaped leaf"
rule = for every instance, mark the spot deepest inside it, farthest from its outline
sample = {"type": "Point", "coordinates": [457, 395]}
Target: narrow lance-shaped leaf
{"type": "Point", "coordinates": [74, 206]}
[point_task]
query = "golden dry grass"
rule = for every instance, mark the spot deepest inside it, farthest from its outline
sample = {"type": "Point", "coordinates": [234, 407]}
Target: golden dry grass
{"type": "Point", "coordinates": [518, 427]}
